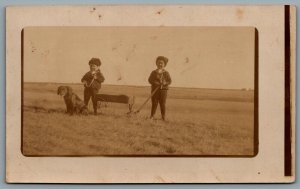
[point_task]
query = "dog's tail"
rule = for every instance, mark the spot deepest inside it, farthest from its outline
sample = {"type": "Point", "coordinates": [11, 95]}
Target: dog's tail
{"type": "Point", "coordinates": [77, 97]}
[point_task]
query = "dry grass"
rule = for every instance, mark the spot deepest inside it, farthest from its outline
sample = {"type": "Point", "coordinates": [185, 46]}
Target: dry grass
{"type": "Point", "coordinates": [200, 122]}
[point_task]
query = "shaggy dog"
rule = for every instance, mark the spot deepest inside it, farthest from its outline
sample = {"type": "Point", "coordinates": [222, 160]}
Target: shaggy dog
{"type": "Point", "coordinates": [73, 103]}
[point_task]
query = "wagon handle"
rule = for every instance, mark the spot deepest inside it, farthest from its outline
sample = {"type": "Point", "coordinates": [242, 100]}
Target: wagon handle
{"type": "Point", "coordinates": [147, 100]}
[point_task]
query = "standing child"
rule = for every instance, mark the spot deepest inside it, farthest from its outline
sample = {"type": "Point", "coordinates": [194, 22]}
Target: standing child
{"type": "Point", "coordinates": [92, 82]}
{"type": "Point", "coordinates": [160, 80]}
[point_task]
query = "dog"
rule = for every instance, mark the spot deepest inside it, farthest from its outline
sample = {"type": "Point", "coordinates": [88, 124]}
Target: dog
{"type": "Point", "coordinates": [73, 103]}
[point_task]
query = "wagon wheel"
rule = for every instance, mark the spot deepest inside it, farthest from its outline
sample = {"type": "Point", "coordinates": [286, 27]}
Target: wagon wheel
{"type": "Point", "coordinates": [131, 103]}
{"type": "Point", "coordinates": [100, 101]}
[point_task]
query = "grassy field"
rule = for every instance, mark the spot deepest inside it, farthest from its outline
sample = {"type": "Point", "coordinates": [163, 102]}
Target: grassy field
{"type": "Point", "coordinates": [199, 122]}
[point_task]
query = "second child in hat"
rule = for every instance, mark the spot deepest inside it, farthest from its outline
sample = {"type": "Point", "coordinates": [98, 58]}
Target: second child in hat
{"type": "Point", "coordinates": [160, 80]}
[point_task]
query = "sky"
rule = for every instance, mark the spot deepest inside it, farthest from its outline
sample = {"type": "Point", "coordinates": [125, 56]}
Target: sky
{"type": "Point", "coordinates": [199, 57]}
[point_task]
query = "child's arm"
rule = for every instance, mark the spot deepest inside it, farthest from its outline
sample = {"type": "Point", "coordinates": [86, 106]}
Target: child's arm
{"type": "Point", "coordinates": [99, 77]}
{"type": "Point", "coordinates": [152, 79]}
{"type": "Point", "coordinates": [167, 79]}
{"type": "Point", "coordinates": [85, 78]}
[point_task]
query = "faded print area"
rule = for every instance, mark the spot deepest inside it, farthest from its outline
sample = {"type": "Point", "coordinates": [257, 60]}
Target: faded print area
{"type": "Point", "coordinates": [199, 57]}
{"type": "Point", "coordinates": [210, 104]}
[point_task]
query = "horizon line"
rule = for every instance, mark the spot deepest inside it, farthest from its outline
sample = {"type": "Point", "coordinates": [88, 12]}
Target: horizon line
{"type": "Point", "coordinates": [246, 89]}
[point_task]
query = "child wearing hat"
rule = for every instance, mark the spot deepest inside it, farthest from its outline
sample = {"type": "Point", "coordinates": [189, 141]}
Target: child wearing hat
{"type": "Point", "coordinates": [160, 80]}
{"type": "Point", "coordinates": [92, 82]}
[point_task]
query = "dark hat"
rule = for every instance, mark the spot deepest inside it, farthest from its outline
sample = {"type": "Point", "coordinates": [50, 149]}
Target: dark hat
{"type": "Point", "coordinates": [165, 59]}
{"type": "Point", "coordinates": [95, 61]}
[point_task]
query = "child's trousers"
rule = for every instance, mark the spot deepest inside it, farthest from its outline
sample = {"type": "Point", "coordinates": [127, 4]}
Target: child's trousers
{"type": "Point", "coordinates": [90, 93]}
{"type": "Point", "coordinates": [160, 98]}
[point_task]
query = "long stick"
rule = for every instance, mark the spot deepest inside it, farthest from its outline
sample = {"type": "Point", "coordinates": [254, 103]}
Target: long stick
{"type": "Point", "coordinates": [88, 87]}
{"type": "Point", "coordinates": [91, 82]}
{"type": "Point", "coordinates": [146, 100]}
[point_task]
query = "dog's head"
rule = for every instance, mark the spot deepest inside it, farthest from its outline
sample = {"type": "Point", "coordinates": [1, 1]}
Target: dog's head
{"type": "Point", "coordinates": [64, 90]}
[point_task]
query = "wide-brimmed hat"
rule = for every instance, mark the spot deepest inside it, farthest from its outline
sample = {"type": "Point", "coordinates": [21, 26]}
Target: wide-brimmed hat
{"type": "Point", "coordinates": [165, 59]}
{"type": "Point", "coordinates": [95, 61]}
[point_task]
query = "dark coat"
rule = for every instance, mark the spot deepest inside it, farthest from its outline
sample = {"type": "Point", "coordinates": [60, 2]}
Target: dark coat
{"type": "Point", "coordinates": [88, 77]}
{"type": "Point", "coordinates": [162, 80]}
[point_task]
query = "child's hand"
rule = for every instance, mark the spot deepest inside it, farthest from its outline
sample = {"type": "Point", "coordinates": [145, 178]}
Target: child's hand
{"type": "Point", "coordinates": [84, 82]}
{"type": "Point", "coordinates": [157, 83]}
{"type": "Point", "coordinates": [95, 76]}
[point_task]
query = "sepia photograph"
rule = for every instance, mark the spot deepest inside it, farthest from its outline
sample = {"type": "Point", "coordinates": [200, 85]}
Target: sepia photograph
{"type": "Point", "coordinates": [139, 91]}
{"type": "Point", "coordinates": [192, 94]}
